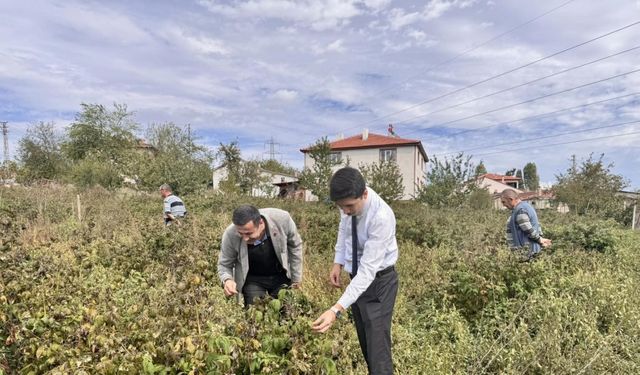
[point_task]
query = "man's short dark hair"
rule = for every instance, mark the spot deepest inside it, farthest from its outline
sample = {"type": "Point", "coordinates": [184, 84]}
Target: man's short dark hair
{"type": "Point", "coordinates": [246, 213]}
{"type": "Point", "coordinates": [347, 182]}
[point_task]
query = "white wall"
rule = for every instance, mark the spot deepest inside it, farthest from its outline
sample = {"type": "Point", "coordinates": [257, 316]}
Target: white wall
{"type": "Point", "coordinates": [220, 174]}
{"type": "Point", "coordinates": [494, 187]}
{"type": "Point", "coordinates": [410, 161]}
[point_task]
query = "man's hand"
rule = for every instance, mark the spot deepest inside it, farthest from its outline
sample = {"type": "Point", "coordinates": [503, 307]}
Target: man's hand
{"type": "Point", "coordinates": [297, 285]}
{"type": "Point", "coordinates": [324, 322]}
{"type": "Point", "coordinates": [545, 242]}
{"type": "Point", "coordinates": [334, 275]}
{"type": "Point", "coordinates": [230, 288]}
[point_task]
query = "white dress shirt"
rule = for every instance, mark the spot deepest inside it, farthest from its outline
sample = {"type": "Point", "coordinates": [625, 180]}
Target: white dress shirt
{"type": "Point", "coordinates": [377, 246]}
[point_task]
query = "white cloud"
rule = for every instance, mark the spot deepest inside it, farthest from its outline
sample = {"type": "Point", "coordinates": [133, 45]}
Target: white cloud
{"type": "Point", "coordinates": [196, 43]}
{"type": "Point", "coordinates": [432, 10]}
{"type": "Point", "coordinates": [417, 34]}
{"type": "Point", "coordinates": [319, 14]}
{"type": "Point", "coordinates": [336, 46]}
{"type": "Point", "coordinates": [286, 95]}
{"type": "Point", "coordinates": [376, 5]}
{"type": "Point", "coordinates": [399, 19]}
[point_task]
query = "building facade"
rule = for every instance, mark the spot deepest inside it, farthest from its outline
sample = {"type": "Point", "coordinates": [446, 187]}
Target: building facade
{"type": "Point", "coordinates": [368, 148]}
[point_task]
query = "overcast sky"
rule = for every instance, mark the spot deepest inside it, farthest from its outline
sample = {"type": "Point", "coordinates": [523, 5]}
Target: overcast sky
{"type": "Point", "coordinates": [454, 74]}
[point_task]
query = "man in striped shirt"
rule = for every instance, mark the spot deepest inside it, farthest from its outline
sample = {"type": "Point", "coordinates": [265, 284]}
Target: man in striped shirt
{"type": "Point", "coordinates": [173, 206]}
{"type": "Point", "coordinates": [523, 227]}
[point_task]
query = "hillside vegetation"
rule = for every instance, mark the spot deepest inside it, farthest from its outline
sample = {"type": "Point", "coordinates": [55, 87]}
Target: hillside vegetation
{"type": "Point", "coordinates": [117, 292]}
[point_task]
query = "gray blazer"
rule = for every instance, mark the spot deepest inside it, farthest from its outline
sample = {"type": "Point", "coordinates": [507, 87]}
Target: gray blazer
{"type": "Point", "coordinates": [233, 262]}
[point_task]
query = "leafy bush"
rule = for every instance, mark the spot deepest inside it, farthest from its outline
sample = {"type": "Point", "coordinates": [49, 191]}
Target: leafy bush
{"type": "Point", "coordinates": [598, 236]}
{"type": "Point", "coordinates": [117, 292]}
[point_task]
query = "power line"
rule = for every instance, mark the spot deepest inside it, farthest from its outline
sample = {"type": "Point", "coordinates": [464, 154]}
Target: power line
{"type": "Point", "coordinates": [547, 114]}
{"type": "Point", "coordinates": [272, 149]}
{"type": "Point", "coordinates": [543, 137]}
{"type": "Point", "coordinates": [452, 59]}
{"type": "Point", "coordinates": [538, 116]}
{"type": "Point", "coordinates": [558, 144]}
{"type": "Point", "coordinates": [524, 102]}
{"type": "Point", "coordinates": [523, 84]}
{"type": "Point", "coordinates": [5, 138]}
{"type": "Point", "coordinates": [460, 54]}
{"type": "Point", "coordinates": [502, 74]}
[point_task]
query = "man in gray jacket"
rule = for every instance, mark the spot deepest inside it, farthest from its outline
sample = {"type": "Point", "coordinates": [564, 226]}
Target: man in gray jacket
{"type": "Point", "coordinates": [261, 253]}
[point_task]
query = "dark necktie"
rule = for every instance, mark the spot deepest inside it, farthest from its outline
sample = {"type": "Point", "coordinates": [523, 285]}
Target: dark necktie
{"type": "Point", "coordinates": [354, 245]}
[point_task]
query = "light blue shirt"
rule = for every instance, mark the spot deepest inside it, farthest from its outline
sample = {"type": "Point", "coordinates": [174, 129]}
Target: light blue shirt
{"type": "Point", "coordinates": [377, 246]}
{"type": "Point", "coordinates": [174, 206]}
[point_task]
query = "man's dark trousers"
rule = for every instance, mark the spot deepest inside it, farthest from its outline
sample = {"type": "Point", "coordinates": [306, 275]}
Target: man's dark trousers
{"type": "Point", "coordinates": [372, 313]}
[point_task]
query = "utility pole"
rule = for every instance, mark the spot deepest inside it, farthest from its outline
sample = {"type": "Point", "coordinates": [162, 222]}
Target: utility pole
{"type": "Point", "coordinates": [272, 149]}
{"type": "Point", "coordinates": [5, 136]}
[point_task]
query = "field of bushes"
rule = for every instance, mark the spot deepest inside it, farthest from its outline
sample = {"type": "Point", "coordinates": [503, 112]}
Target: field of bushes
{"type": "Point", "coordinates": [113, 291]}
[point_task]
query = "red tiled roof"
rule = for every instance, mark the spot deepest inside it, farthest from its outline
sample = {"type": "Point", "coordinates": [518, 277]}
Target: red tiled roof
{"type": "Point", "coordinates": [499, 177]}
{"type": "Point", "coordinates": [373, 141]}
{"type": "Point", "coordinates": [544, 194]}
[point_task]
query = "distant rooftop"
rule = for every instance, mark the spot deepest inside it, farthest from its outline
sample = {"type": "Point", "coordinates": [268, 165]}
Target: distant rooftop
{"type": "Point", "coordinates": [372, 140]}
{"type": "Point", "coordinates": [500, 177]}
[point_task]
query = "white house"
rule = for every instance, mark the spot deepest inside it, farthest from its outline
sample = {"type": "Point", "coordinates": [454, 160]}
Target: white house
{"type": "Point", "coordinates": [368, 148]}
{"type": "Point", "coordinates": [271, 188]}
{"type": "Point", "coordinates": [496, 184]}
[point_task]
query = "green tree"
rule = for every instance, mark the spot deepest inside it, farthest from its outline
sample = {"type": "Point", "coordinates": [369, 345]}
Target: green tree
{"type": "Point", "coordinates": [8, 170]}
{"type": "Point", "coordinates": [39, 154]}
{"type": "Point", "coordinates": [231, 159]}
{"type": "Point", "coordinates": [275, 166]}
{"type": "Point", "coordinates": [449, 182]}
{"type": "Point", "coordinates": [176, 160]}
{"type": "Point", "coordinates": [481, 169]}
{"type": "Point", "coordinates": [591, 187]}
{"type": "Point", "coordinates": [531, 178]}
{"type": "Point", "coordinates": [92, 171]}
{"type": "Point", "coordinates": [103, 134]}
{"type": "Point", "coordinates": [510, 172]}
{"type": "Point", "coordinates": [252, 177]}
{"type": "Point", "coordinates": [385, 178]}
{"type": "Point", "coordinates": [316, 179]}
{"type": "Point", "coordinates": [480, 199]}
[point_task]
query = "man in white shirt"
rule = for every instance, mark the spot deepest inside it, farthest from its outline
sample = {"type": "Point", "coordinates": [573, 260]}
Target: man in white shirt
{"type": "Point", "coordinates": [371, 294]}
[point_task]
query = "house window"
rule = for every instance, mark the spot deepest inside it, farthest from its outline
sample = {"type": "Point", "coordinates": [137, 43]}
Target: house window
{"type": "Point", "coordinates": [335, 157]}
{"type": "Point", "coordinates": [388, 154]}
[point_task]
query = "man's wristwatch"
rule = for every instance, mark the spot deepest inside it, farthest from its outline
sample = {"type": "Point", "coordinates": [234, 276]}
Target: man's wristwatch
{"type": "Point", "coordinates": [336, 311]}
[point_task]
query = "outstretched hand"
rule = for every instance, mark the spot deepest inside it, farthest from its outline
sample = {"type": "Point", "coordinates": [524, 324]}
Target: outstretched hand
{"type": "Point", "coordinates": [324, 322]}
{"type": "Point", "coordinates": [230, 288]}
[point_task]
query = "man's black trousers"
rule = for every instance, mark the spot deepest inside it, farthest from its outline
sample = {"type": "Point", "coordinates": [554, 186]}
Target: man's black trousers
{"type": "Point", "coordinates": [372, 313]}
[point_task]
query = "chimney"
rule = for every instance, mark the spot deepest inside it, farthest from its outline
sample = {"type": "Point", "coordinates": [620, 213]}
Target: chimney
{"type": "Point", "coordinates": [365, 134]}
{"type": "Point", "coordinates": [340, 136]}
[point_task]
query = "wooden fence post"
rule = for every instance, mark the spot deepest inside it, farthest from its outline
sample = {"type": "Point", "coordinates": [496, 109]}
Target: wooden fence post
{"type": "Point", "coordinates": [79, 211]}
